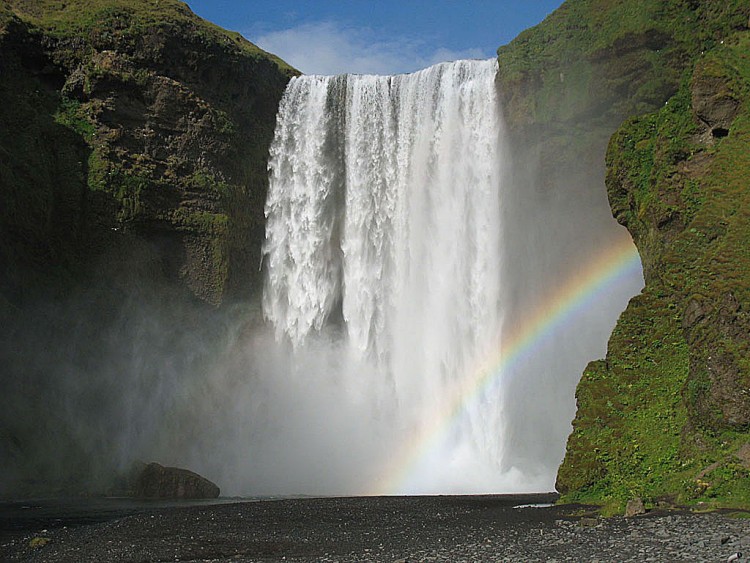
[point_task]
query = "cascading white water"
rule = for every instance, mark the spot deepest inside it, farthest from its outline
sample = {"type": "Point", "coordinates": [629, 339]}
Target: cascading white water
{"type": "Point", "coordinates": [384, 233]}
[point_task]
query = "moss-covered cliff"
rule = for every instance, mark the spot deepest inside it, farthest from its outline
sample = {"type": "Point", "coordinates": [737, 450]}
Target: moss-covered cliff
{"type": "Point", "coordinates": [570, 81]}
{"type": "Point", "coordinates": [130, 127]}
{"type": "Point", "coordinates": [133, 145]}
{"type": "Point", "coordinates": [666, 413]}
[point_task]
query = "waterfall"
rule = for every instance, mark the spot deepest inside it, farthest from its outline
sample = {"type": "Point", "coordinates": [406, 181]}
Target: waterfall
{"type": "Point", "coordinates": [433, 302]}
{"type": "Point", "coordinates": [384, 232]}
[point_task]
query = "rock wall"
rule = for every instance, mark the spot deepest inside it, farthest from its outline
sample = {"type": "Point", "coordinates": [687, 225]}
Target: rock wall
{"type": "Point", "coordinates": [566, 85]}
{"type": "Point", "coordinates": [132, 127]}
{"type": "Point", "coordinates": [669, 400]}
{"type": "Point", "coordinates": [569, 82]}
{"type": "Point", "coordinates": [665, 415]}
{"type": "Point", "coordinates": [133, 153]}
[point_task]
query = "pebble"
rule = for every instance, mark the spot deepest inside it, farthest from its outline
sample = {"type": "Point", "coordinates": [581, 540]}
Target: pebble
{"type": "Point", "coordinates": [388, 529]}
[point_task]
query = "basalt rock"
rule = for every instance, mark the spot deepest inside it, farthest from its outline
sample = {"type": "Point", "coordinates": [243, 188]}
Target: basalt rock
{"type": "Point", "coordinates": [156, 481]}
{"type": "Point", "coordinates": [132, 124]}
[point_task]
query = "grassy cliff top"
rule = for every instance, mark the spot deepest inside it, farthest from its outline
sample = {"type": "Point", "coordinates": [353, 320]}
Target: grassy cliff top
{"type": "Point", "coordinates": [6, 15]}
{"type": "Point", "coordinates": [590, 28]}
{"type": "Point", "coordinates": [103, 19]}
{"type": "Point", "coordinates": [607, 59]}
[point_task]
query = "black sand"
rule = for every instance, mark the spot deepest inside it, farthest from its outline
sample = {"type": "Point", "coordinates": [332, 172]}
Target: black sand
{"type": "Point", "coordinates": [478, 528]}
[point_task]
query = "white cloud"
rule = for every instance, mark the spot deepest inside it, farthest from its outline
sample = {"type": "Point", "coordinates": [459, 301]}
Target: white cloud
{"type": "Point", "coordinates": [330, 48]}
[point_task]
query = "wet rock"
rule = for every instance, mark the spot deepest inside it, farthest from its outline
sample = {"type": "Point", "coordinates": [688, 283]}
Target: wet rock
{"type": "Point", "coordinates": [634, 508]}
{"type": "Point", "coordinates": [743, 454]}
{"type": "Point", "coordinates": [714, 101]}
{"type": "Point", "coordinates": [157, 481]}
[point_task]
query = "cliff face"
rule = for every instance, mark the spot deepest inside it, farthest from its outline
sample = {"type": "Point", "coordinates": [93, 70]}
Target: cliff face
{"type": "Point", "coordinates": [569, 82]}
{"type": "Point", "coordinates": [667, 412]}
{"type": "Point", "coordinates": [131, 128]}
{"type": "Point", "coordinates": [665, 415]}
{"type": "Point", "coordinates": [133, 146]}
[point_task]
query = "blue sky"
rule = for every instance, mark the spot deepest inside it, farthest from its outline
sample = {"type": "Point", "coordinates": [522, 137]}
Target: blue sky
{"type": "Point", "coordinates": [378, 37]}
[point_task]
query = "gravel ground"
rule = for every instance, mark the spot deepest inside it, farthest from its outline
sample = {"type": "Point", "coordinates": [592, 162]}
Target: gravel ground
{"type": "Point", "coordinates": [393, 529]}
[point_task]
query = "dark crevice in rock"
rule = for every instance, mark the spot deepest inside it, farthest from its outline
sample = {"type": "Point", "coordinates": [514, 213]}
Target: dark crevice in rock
{"type": "Point", "coordinates": [719, 132]}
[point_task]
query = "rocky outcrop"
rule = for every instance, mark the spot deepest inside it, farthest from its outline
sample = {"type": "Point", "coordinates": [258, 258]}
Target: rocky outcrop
{"type": "Point", "coordinates": [156, 481]}
{"type": "Point", "coordinates": [714, 100]}
{"type": "Point", "coordinates": [133, 170]}
{"type": "Point", "coordinates": [667, 411]}
{"type": "Point", "coordinates": [717, 330]}
{"type": "Point", "coordinates": [147, 127]}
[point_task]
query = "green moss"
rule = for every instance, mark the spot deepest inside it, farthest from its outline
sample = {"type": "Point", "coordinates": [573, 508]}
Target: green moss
{"type": "Point", "coordinates": [204, 181]}
{"type": "Point", "coordinates": [582, 28]}
{"type": "Point", "coordinates": [602, 60]}
{"type": "Point", "coordinates": [201, 221]}
{"type": "Point", "coordinates": [616, 458]}
{"type": "Point", "coordinates": [128, 188]}
{"type": "Point", "coordinates": [105, 22]}
{"type": "Point", "coordinates": [73, 116]}
{"type": "Point", "coordinates": [209, 245]}
{"type": "Point", "coordinates": [98, 171]}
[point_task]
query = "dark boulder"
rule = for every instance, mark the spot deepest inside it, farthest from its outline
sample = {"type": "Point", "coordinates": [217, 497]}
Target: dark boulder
{"type": "Point", "coordinates": [157, 481]}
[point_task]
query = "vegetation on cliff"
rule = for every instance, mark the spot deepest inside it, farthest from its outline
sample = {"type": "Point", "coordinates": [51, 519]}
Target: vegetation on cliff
{"type": "Point", "coordinates": [128, 25]}
{"type": "Point", "coordinates": [567, 84]}
{"type": "Point", "coordinates": [133, 152]}
{"type": "Point", "coordinates": [570, 81]}
{"type": "Point", "coordinates": [131, 124]}
{"type": "Point", "coordinates": [666, 415]}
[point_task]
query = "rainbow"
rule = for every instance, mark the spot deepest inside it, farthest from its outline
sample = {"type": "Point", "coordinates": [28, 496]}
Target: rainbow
{"type": "Point", "coordinates": [603, 272]}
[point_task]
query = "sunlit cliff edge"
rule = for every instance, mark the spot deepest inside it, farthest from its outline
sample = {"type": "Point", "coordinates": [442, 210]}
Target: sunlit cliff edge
{"type": "Point", "coordinates": [131, 128]}
{"type": "Point", "coordinates": [664, 416]}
